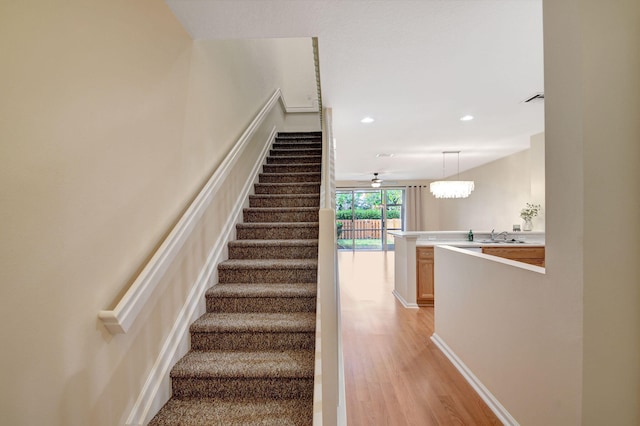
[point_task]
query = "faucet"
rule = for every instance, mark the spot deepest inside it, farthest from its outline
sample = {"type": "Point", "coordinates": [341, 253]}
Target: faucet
{"type": "Point", "coordinates": [503, 234]}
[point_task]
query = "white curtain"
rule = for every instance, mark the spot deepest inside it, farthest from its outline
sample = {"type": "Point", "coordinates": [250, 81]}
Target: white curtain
{"type": "Point", "coordinates": [415, 198]}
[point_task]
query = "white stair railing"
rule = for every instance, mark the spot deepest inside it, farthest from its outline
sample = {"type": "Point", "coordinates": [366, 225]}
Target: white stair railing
{"type": "Point", "coordinates": [329, 407]}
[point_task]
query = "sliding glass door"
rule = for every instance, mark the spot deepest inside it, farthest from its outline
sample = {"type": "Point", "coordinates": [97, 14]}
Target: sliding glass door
{"type": "Point", "coordinates": [364, 216]}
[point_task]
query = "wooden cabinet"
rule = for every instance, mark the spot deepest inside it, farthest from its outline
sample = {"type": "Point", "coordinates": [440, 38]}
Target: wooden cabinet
{"type": "Point", "coordinates": [531, 255]}
{"type": "Point", "coordinates": [424, 276]}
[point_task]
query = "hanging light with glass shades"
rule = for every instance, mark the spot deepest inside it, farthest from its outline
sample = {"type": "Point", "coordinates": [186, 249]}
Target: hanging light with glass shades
{"type": "Point", "coordinates": [451, 188]}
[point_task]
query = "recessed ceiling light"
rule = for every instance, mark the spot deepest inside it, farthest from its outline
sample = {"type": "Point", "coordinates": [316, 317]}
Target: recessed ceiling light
{"type": "Point", "coordinates": [384, 155]}
{"type": "Point", "coordinates": [367, 120]}
{"type": "Point", "coordinates": [466, 118]}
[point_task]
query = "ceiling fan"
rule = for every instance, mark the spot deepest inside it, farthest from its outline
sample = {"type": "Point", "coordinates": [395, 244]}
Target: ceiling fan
{"type": "Point", "coordinates": [376, 181]}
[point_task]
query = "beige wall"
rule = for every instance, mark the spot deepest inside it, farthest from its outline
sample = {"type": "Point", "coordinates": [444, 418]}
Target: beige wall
{"type": "Point", "coordinates": [511, 327]}
{"type": "Point", "coordinates": [111, 121]}
{"type": "Point", "coordinates": [572, 335]}
{"type": "Point", "coordinates": [592, 64]}
{"type": "Point", "coordinates": [609, 92]}
{"type": "Point", "coordinates": [502, 188]}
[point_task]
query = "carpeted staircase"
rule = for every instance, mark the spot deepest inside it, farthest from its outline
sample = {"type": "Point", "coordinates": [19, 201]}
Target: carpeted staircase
{"type": "Point", "coordinates": [252, 353]}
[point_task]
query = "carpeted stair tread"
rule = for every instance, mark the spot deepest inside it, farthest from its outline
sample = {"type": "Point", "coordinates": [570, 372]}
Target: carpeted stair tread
{"type": "Point", "coordinates": [269, 264]}
{"type": "Point", "coordinates": [295, 152]}
{"type": "Point", "coordinates": [248, 290]}
{"type": "Point", "coordinates": [294, 159]}
{"type": "Point", "coordinates": [270, 243]}
{"type": "Point", "coordinates": [284, 196]}
{"type": "Point", "coordinates": [305, 174]}
{"type": "Point", "coordinates": [281, 209]}
{"type": "Point", "coordinates": [299, 136]}
{"type": "Point", "coordinates": [287, 188]}
{"type": "Point", "coordinates": [284, 200]}
{"type": "Point", "coordinates": [245, 364]}
{"type": "Point", "coordinates": [292, 168]}
{"type": "Point", "coordinates": [261, 297]}
{"type": "Point", "coordinates": [275, 322]}
{"type": "Point", "coordinates": [241, 412]}
{"type": "Point", "coordinates": [283, 214]}
{"type": "Point", "coordinates": [309, 177]}
{"type": "Point", "coordinates": [277, 230]}
{"type": "Point", "coordinates": [273, 249]}
{"type": "Point", "coordinates": [268, 225]}
{"type": "Point", "coordinates": [294, 145]}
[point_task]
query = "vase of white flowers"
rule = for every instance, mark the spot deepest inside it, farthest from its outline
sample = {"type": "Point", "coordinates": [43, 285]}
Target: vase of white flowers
{"type": "Point", "coordinates": [527, 214]}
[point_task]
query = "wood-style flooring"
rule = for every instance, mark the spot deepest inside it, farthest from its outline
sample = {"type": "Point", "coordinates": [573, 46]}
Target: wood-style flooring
{"type": "Point", "coordinates": [394, 373]}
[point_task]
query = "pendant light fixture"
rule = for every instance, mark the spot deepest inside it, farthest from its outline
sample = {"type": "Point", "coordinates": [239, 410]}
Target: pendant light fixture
{"type": "Point", "coordinates": [376, 182]}
{"type": "Point", "coordinates": [451, 188]}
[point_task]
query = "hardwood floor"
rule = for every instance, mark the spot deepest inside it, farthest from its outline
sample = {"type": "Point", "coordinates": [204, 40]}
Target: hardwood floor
{"type": "Point", "coordinates": [394, 374]}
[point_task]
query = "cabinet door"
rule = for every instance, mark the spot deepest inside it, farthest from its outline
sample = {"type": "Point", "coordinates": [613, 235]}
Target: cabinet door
{"type": "Point", "coordinates": [531, 255]}
{"type": "Point", "coordinates": [424, 276]}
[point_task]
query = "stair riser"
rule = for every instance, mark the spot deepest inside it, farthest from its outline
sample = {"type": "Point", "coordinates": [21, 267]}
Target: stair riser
{"type": "Point", "coordinates": [299, 136]}
{"type": "Point", "coordinates": [294, 152]}
{"type": "Point", "coordinates": [277, 233]}
{"type": "Point", "coordinates": [245, 388]}
{"type": "Point", "coordinates": [291, 168]}
{"type": "Point", "coordinates": [252, 341]}
{"type": "Point", "coordinates": [297, 145]}
{"type": "Point", "coordinates": [262, 276]}
{"type": "Point", "coordinates": [284, 216]}
{"type": "Point", "coordinates": [294, 160]}
{"type": "Point", "coordinates": [261, 304]}
{"type": "Point", "coordinates": [276, 201]}
{"type": "Point", "coordinates": [271, 252]}
{"type": "Point", "coordinates": [290, 178]}
{"type": "Point", "coordinates": [303, 188]}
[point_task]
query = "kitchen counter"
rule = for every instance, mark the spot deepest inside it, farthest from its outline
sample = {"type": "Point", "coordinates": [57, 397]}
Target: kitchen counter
{"type": "Point", "coordinates": [459, 238]}
{"type": "Point", "coordinates": [477, 244]}
{"type": "Point", "coordinates": [406, 242]}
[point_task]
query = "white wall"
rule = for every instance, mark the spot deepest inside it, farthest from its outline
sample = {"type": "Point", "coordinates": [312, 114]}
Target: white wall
{"type": "Point", "coordinates": [298, 85]}
{"type": "Point", "coordinates": [112, 120]}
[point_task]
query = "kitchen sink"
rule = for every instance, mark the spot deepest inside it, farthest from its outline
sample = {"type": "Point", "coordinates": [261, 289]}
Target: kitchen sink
{"type": "Point", "coordinates": [512, 241]}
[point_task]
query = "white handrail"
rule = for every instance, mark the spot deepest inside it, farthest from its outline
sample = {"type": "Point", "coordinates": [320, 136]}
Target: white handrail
{"type": "Point", "coordinates": [120, 319]}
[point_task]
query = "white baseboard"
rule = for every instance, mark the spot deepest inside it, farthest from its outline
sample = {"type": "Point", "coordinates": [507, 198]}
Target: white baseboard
{"type": "Point", "coordinates": [491, 401]}
{"type": "Point", "coordinates": [404, 302]}
{"type": "Point", "coordinates": [157, 389]}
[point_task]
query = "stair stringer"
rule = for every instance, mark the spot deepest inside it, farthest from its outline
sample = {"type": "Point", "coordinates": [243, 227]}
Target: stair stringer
{"type": "Point", "coordinates": [157, 388]}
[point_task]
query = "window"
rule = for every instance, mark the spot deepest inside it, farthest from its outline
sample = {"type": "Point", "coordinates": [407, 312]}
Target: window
{"type": "Point", "coordinates": [364, 217]}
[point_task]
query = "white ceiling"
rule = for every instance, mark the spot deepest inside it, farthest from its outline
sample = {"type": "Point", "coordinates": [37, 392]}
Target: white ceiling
{"type": "Point", "coordinates": [415, 66]}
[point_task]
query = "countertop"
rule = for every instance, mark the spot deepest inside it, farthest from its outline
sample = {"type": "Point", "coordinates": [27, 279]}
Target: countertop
{"type": "Point", "coordinates": [481, 239]}
{"type": "Point", "coordinates": [479, 244]}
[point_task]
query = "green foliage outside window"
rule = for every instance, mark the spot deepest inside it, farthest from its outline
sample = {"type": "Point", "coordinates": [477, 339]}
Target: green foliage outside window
{"type": "Point", "coordinates": [367, 214]}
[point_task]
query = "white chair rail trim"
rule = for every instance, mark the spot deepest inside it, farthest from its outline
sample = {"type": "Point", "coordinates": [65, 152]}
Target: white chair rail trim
{"type": "Point", "coordinates": [120, 319]}
{"type": "Point", "coordinates": [150, 400]}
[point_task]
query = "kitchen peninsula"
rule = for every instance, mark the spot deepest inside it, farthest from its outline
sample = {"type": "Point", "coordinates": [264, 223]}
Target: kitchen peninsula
{"type": "Point", "coordinates": [414, 257]}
